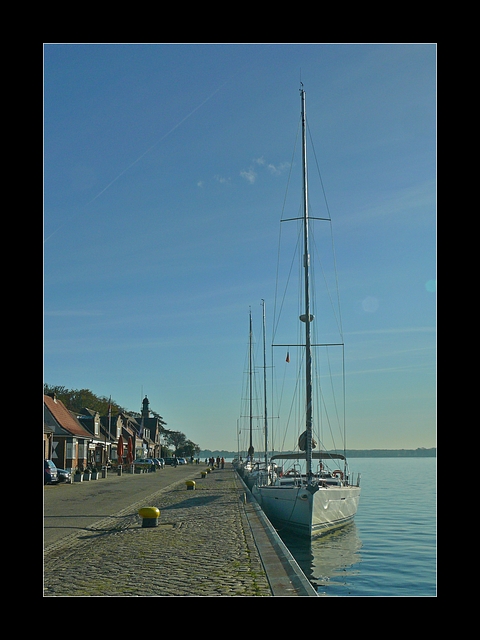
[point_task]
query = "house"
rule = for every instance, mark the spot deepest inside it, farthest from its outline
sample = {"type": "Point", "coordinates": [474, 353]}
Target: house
{"type": "Point", "coordinates": [70, 440]}
{"type": "Point", "coordinates": [125, 425]}
{"type": "Point", "coordinates": [145, 432]}
{"type": "Point", "coordinates": [153, 428]}
{"type": "Point", "coordinates": [74, 440]}
{"type": "Point", "coordinates": [100, 445]}
{"type": "Point", "coordinates": [47, 441]}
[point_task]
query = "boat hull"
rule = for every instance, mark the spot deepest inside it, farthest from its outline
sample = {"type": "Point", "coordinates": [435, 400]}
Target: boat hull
{"type": "Point", "coordinates": [307, 513]}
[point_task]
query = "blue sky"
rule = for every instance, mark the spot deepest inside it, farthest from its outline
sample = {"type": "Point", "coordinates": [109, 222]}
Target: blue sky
{"type": "Point", "coordinates": [165, 170]}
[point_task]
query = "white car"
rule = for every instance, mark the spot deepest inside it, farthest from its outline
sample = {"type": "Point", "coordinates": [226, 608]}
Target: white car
{"type": "Point", "coordinates": [182, 460]}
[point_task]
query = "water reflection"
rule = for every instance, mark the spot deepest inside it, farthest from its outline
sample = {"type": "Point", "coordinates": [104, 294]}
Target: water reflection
{"type": "Point", "coordinates": [328, 561]}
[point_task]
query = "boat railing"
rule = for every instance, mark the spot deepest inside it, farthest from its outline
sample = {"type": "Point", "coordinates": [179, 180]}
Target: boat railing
{"type": "Point", "coordinates": [295, 477]}
{"type": "Point", "coordinates": [353, 483]}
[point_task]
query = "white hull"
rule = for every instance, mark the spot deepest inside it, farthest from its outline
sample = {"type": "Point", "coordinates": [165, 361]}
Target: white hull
{"type": "Point", "coordinates": [252, 474]}
{"type": "Point", "coordinates": [309, 514]}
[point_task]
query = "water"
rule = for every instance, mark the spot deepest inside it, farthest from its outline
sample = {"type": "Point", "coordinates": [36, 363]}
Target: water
{"type": "Point", "coordinates": [390, 549]}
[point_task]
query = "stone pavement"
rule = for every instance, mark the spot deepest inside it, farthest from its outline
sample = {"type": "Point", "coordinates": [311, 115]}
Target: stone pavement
{"type": "Point", "coordinates": [204, 545]}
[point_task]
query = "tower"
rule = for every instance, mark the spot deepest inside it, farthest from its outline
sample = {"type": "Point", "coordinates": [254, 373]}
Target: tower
{"type": "Point", "coordinates": [145, 408]}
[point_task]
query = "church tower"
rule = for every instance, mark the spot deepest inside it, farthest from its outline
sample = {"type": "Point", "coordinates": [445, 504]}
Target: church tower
{"type": "Point", "coordinates": [145, 408]}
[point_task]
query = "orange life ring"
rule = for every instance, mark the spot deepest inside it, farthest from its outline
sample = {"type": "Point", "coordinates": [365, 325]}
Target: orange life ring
{"type": "Point", "coordinates": [337, 471]}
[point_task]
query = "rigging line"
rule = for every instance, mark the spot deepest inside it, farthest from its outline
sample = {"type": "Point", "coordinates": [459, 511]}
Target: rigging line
{"type": "Point", "coordinates": [344, 406]}
{"type": "Point", "coordinates": [327, 417]}
{"type": "Point", "coordinates": [331, 400]}
{"type": "Point", "coordinates": [336, 282]}
{"type": "Point", "coordinates": [275, 323]}
{"type": "Point", "coordinates": [335, 308]}
{"type": "Point", "coordinates": [334, 400]}
{"type": "Point", "coordinates": [331, 230]}
{"type": "Point", "coordinates": [319, 174]}
{"type": "Point", "coordinates": [293, 404]}
{"type": "Point", "coordinates": [294, 259]}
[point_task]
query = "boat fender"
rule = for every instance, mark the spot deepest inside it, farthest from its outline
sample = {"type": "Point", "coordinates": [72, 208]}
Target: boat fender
{"type": "Point", "coordinates": [334, 473]}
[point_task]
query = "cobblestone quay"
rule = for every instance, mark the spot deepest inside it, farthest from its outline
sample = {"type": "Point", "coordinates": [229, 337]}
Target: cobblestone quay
{"type": "Point", "coordinates": [203, 546]}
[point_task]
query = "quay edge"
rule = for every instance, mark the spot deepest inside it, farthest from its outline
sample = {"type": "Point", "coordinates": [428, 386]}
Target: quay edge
{"type": "Point", "coordinates": [283, 572]}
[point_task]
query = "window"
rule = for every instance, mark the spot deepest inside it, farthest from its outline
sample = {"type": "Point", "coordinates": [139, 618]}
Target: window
{"type": "Point", "coordinates": [71, 449]}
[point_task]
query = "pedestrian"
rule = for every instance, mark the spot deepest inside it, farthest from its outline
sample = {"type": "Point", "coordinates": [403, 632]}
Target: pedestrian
{"type": "Point", "coordinates": [223, 462]}
{"type": "Point", "coordinates": [218, 462]}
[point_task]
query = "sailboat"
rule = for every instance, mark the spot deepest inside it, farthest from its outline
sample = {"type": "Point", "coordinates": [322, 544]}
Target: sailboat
{"type": "Point", "coordinates": [251, 469]}
{"type": "Point", "coordinates": [248, 465]}
{"type": "Point", "coordinates": [315, 501]}
{"type": "Point", "coordinates": [256, 471]}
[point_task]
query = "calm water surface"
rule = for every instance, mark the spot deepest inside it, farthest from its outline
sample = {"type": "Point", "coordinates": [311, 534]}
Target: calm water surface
{"type": "Point", "coordinates": [390, 549]}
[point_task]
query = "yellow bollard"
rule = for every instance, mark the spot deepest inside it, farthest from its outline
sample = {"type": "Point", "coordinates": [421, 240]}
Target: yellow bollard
{"type": "Point", "coordinates": [190, 485]}
{"type": "Point", "coordinates": [150, 516]}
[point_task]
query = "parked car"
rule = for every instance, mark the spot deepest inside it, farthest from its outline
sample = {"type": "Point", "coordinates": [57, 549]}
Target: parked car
{"type": "Point", "coordinates": [143, 462]}
{"type": "Point", "coordinates": [182, 461]}
{"type": "Point", "coordinates": [64, 475]}
{"type": "Point", "coordinates": [160, 462]}
{"type": "Point", "coordinates": [171, 461]}
{"type": "Point", "coordinates": [50, 475]}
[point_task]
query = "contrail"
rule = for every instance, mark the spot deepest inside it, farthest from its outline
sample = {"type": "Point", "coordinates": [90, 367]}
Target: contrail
{"type": "Point", "coordinates": [140, 157]}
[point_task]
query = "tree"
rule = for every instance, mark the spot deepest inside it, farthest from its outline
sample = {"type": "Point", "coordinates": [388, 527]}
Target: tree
{"type": "Point", "coordinates": [175, 439]}
{"type": "Point", "coordinates": [77, 399]}
{"type": "Point", "coordinates": [191, 449]}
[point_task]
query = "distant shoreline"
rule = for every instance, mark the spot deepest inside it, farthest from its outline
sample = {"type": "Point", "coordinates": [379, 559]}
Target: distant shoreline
{"type": "Point", "coordinates": [352, 453]}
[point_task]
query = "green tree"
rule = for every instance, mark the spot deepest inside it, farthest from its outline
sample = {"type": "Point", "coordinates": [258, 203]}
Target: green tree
{"type": "Point", "coordinates": [77, 399]}
{"type": "Point", "coordinates": [175, 439]}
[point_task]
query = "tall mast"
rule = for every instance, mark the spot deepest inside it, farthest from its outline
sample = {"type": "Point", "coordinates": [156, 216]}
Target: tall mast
{"type": "Point", "coordinates": [307, 318]}
{"type": "Point", "coordinates": [250, 374]}
{"type": "Point", "coordinates": [265, 388]}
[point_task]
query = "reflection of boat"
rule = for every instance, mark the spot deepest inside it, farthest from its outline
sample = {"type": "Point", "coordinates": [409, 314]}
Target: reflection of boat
{"type": "Point", "coordinates": [309, 501]}
{"type": "Point", "coordinates": [329, 560]}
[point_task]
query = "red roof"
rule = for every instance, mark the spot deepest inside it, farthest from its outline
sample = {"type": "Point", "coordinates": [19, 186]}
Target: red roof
{"type": "Point", "coordinates": [65, 418]}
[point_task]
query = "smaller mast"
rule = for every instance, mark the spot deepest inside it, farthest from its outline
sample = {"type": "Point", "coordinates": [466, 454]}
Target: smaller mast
{"type": "Point", "coordinates": [250, 374]}
{"type": "Point", "coordinates": [265, 389]}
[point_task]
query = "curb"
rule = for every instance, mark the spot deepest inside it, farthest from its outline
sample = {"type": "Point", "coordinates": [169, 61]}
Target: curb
{"type": "Point", "coordinates": [283, 572]}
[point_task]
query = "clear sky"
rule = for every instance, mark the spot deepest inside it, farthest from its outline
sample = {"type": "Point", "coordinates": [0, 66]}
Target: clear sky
{"type": "Point", "coordinates": [165, 170]}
